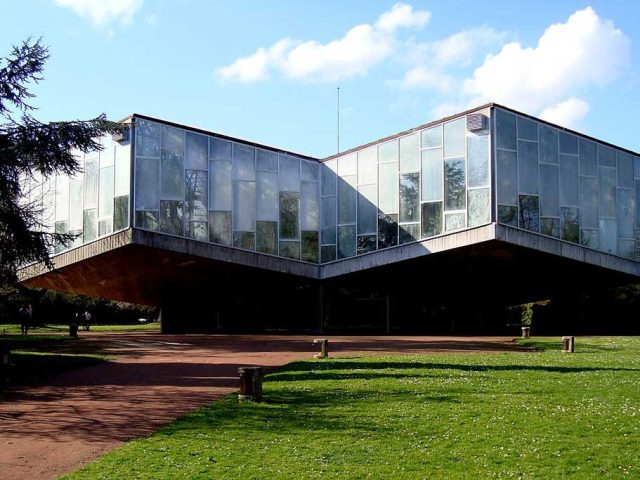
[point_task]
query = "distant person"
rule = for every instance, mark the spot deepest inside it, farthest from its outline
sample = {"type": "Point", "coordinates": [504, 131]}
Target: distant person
{"type": "Point", "coordinates": [86, 320]}
{"type": "Point", "coordinates": [24, 316]}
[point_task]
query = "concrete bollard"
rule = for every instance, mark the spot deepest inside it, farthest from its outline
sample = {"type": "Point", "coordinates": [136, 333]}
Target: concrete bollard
{"type": "Point", "coordinates": [526, 332]}
{"type": "Point", "coordinates": [250, 384]}
{"type": "Point", "coordinates": [324, 347]}
{"type": "Point", "coordinates": [568, 344]}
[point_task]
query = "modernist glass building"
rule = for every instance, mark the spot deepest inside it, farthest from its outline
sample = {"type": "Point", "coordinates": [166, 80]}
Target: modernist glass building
{"type": "Point", "coordinates": [489, 166]}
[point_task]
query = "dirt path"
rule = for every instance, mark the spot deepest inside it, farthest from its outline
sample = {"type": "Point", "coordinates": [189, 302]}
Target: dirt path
{"type": "Point", "coordinates": [52, 429]}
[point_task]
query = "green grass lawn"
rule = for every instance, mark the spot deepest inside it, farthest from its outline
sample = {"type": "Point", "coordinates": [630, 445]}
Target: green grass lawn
{"type": "Point", "coordinates": [54, 328]}
{"type": "Point", "coordinates": [514, 415]}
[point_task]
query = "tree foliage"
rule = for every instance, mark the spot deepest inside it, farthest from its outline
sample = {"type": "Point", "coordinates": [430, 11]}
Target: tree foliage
{"type": "Point", "coordinates": [29, 149]}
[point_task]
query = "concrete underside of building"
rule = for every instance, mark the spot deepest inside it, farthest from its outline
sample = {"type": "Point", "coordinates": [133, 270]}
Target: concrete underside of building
{"type": "Point", "coordinates": [456, 283]}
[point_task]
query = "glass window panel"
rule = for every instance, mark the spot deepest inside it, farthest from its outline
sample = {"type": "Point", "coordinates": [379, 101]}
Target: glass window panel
{"type": "Point", "coordinates": [606, 156]}
{"type": "Point", "coordinates": [589, 202]}
{"type": "Point", "coordinates": [367, 165]}
{"type": "Point", "coordinates": [409, 153]}
{"type": "Point", "coordinates": [105, 226]}
{"type": "Point", "coordinates": [626, 213]}
{"type": "Point", "coordinates": [548, 144]}
{"type": "Point", "coordinates": [638, 205]}
{"type": "Point", "coordinates": [529, 213]}
{"type": "Point", "coordinates": [346, 241]}
{"type": "Point", "coordinates": [244, 206]}
{"type": "Point", "coordinates": [219, 149]}
{"type": "Point", "coordinates": [479, 210]}
{"type": "Point", "coordinates": [309, 207]}
{"type": "Point", "coordinates": [310, 171]}
{"type": "Point", "coordinates": [626, 248]}
{"type": "Point", "coordinates": [290, 250]}
{"type": "Point", "coordinates": [197, 195]}
{"type": "Point", "coordinates": [550, 227]}
{"type": "Point", "coordinates": [508, 215]}
{"type": "Point", "coordinates": [607, 193]}
{"type": "Point", "coordinates": [198, 231]}
{"type": "Point", "coordinates": [61, 227]}
{"type": "Point", "coordinates": [589, 238]}
{"type": "Point", "coordinates": [267, 196]}
{"type": "Point", "coordinates": [62, 197]}
{"type": "Point", "coordinates": [267, 237]}
{"type": "Point", "coordinates": [570, 224]}
{"type": "Point", "coordinates": [387, 230]}
{"type": "Point", "coordinates": [348, 165]}
{"type": "Point", "coordinates": [328, 174]}
{"type": "Point", "coordinates": [527, 167]}
{"type": "Point", "coordinates": [172, 138]}
{"type": "Point", "coordinates": [624, 162]}
{"type": "Point", "coordinates": [568, 143]}
{"type": "Point", "coordinates": [172, 217]}
{"type": "Point", "coordinates": [327, 253]}
{"type": "Point", "coordinates": [569, 180]}
{"type": "Point", "coordinates": [388, 152]}
{"type": "Point", "coordinates": [367, 209]}
{"type": "Point", "coordinates": [507, 177]}
{"type": "Point", "coordinates": [329, 220]}
{"type": "Point", "coordinates": [197, 151]}
{"type": "Point", "coordinates": [147, 138]}
{"type": "Point", "coordinates": [289, 215]}
{"type": "Point", "coordinates": [527, 129]}
{"type": "Point", "coordinates": [146, 220]}
{"type": "Point", "coordinates": [172, 174]}
{"type": "Point", "coordinates": [454, 138]}
{"type": "Point", "coordinates": [588, 158]}
{"type": "Point", "coordinates": [309, 246]}
{"type": "Point", "coordinates": [636, 166]}
{"type": "Point", "coordinates": [123, 170]}
{"type": "Point", "coordinates": [266, 161]}
{"type": "Point", "coordinates": [608, 237]}
{"type": "Point", "coordinates": [243, 162]}
{"type": "Point", "coordinates": [478, 159]}
{"type": "Point", "coordinates": [431, 219]}
{"type": "Point", "coordinates": [347, 198]}
{"type": "Point", "coordinates": [147, 193]}
{"type": "Point", "coordinates": [432, 175]}
{"type": "Point", "coordinates": [506, 130]}
{"type": "Point", "coordinates": [549, 190]}
{"type": "Point", "coordinates": [388, 193]}
{"type": "Point", "coordinates": [121, 212]}
{"type": "Point", "coordinates": [90, 225]}
{"type": "Point", "coordinates": [289, 174]}
{"type": "Point", "coordinates": [244, 240]}
{"type": "Point", "coordinates": [453, 221]}
{"type": "Point", "coordinates": [107, 153]}
{"type": "Point", "coordinates": [220, 227]}
{"type": "Point", "coordinates": [454, 184]}
{"type": "Point", "coordinates": [409, 232]}
{"type": "Point", "coordinates": [220, 186]}
{"type": "Point", "coordinates": [409, 197]}
{"type": "Point", "coordinates": [366, 244]}
{"type": "Point", "coordinates": [432, 137]}
{"type": "Point", "coordinates": [105, 206]}
{"type": "Point", "coordinates": [75, 205]}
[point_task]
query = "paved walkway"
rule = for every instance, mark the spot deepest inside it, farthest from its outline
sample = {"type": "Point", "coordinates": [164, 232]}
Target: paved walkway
{"type": "Point", "coordinates": [52, 429]}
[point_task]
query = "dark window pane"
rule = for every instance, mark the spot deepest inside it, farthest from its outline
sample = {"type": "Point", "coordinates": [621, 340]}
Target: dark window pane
{"type": "Point", "coordinates": [387, 230]}
{"type": "Point", "coordinates": [431, 219]}
{"type": "Point", "coordinates": [366, 244]}
{"type": "Point", "coordinates": [290, 250]}
{"type": "Point", "coordinates": [309, 244]}
{"type": "Point", "coordinates": [121, 212]}
{"type": "Point", "coordinates": [198, 231]}
{"type": "Point", "coordinates": [220, 227]}
{"type": "Point", "coordinates": [529, 213]}
{"type": "Point", "coordinates": [454, 184]}
{"type": "Point", "coordinates": [347, 198]}
{"type": "Point", "coordinates": [328, 253]}
{"type": "Point", "coordinates": [346, 241]}
{"type": "Point", "coordinates": [172, 217]}
{"type": "Point", "coordinates": [90, 225]}
{"type": "Point", "coordinates": [244, 240]}
{"type": "Point", "coordinates": [550, 226]}
{"type": "Point", "coordinates": [267, 237]}
{"type": "Point", "coordinates": [570, 224]}
{"type": "Point", "coordinates": [409, 233]}
{"type": "Point", "coordinates": [409, 195]}
{"type": "Point", "coordinates": [508, 215]}
{"type": "Point", "coordinates": [289, 214]}
{"type": "Point", "coordinates": [506, 123]}
{"type": "Point", "coordinates": [147, 220]}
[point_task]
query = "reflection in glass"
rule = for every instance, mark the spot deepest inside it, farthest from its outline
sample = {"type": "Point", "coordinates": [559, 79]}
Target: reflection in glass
{"type": "Point", "coordinates": [367, 210]}
{"type": "Point", "coordinates": [507, 177]}
{"type": "Point", "coordinates": [220, 227]}
{"type": "Point", "coordinates": [624, 163]}
{"type": "Point", "coordinates": [197, 151]}
{"type": "Point", "coordinates": [147, 138]}
{"type": "Point", "coordinates": [147, 220]}
{"type": "Point", "coordinates": [432, 137]}
{"type": "Point", "coordinates": [589, 202]}
{"type": "Point", "coordinates": [431, 219]}
{"type": "Point", "coordinates": [244, 240]}
{"type": "Point", "coordinates": [289, 174]}
{"type": "Point", "coordinates": [172, 174]}
{"type": "Point", "coordinates": [508, 215]}
{"type": "Point", "coordinates": [549, 190]}
{"type": "Point", "coordinates": [527, 167]}
{"type": "Point", "coordinates": [266, 161]}
{"type": "Point", "coordinates": [626, 205]}
{"type": "Point", "coordinates": [589, 238]}
{"type": "Point", "coordinates": [171, 217]}
{"type": "Point", "coordinates": [172, 138]}
{"type": "Point", "coordinates": [570, 224]}
{"type": "Point", "coordinates": [409, 200]}
{"type": "Point", "coordinates": [75, 205]}
{"type": "Point", "coordinates": [454, 184]}
{"type": "Point", "coordinates": [347, 199]}
{"type": "Point", "coordinates": [90, 225]}
{"type": "Point", "coordinates": [220, 186]}
{"type": "Point", "coordinates": [506, 130]}
{"type": "Point", "coordinates": [388, 152]}
{"type": "Point", "coordinates": [569, 183]}
{"type": "Point", "coordinates": [243, 162]}
{"type": "Point", "coordinates": [309, 207]}
{"type": "Point", "coordinates": [289, 249]}
{"type": "Point", "coordinates": [608, 230]}
{"type": "Point", "coordinates": [478, 159]}
{"type": "Point", "coordinates": [454, 138]}
{"type": "Point", "coordinates": [121, 212]}
{"type": "Point", "coordinates": [105, 226]}
{"type": "Point", "coordinates": [453, 221]}
{"type": "Point", "coordinates": [366, 244]}
{"type": "Point", "coordinates": [267, 237]}
{"type": "Point", "coordinates": [388, 184]}
{"type": "Point", "coordinates": [409, 232]}
{"type": "Point", "coordinates": [289, 215]}
{"type": "Point", "coordinates": [62, 228]}
{"type": "Point", "coordinates": [267, 196]}
{"type": "Point", "coordinates": [309, 244]}
{"type": "Point", "coordinates": [550, 226]}
{"type": "Point", "coordinates": [409, 153]}
{"type": "Point", "coordinates": [198, 231]}
{"type": "Point", "coordinates": [328, 176]}
{"type": "Point", "coordinates": [588, 158]}
{"type": "Point", "coordinates": [387, 230]}
{"type": "Point", "coordinates": [196, 184]}
{"type": "Point", "coordinates": [244, 206]}
{"type": "Point", "coordinates": [626, 248]}
{"type": "Point", "coordinates": [219, 149]}
{"type": "Point", "coordinates": [479, 210]}
{"type": "Point", "coordinates": [607, 193]}
{"type": "Point", "coordinates": [328, 229]}
{"type": "Point", "coordinates": [310, 171]}
{"type": "Point", "coordinates": [529, 213]}
{"type": "Point", "coordinates": [327, 253]}
{"type": "Point", "coordinates": [432, 175]}
{"type": "Point", "coordinates": [346, 241]}
{"type": "Point", "coordinates": [548, 144]}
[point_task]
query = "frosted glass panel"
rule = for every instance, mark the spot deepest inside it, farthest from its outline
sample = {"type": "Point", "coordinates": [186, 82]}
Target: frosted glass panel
{"type": "Point", "coordinates": [570, 224]}
{"type": "Point", "coordinates": [388, 152]}
{"type": "Point", "coordinates": [529, 218]}
{"type": "Point", "coordinates": [172, 175]}
{"type": "Point", "coordinates": [607, 194]}
{"type": "Point", "coordinates": [123, 171]}
{"type": "Point", "coordinates": [266, 161]}
{"type": "Point", "coordinates": [243, 162]}
{"type": "Point", "coordinates": [388, 182]}
{"type": "Point", "coordinates": [431, 219]}
{"type": "Point", "coordinates": [328, 253]}
{"type": "Point", "coordinates": [328, 175]}
{"type": "Point", "coordinates": [267, 196]}
{"type": "Point", "coordinates": [219, 149]}
{"type": "Point", "coordinates": [387, 230]}
{"type": "Point", "coordinates": [506, 130]}
{"type": "Point", "coordinates": [624, 162]}
{"type": "Point", "coordinates": [147, 138]}
{"type": "Point", "coordinates": [289, 215]}
{"type": "Point", "coordinates": [454, 184]}
{"type": "Point", "coordinates": [454, 138]}
{"type": "Point", "coordinates": [267, 237]}
{"type": "Point", "coordinates": [432, 175]}
{"type": "Point", "coordinates": [367, 166]}
{"type": "Point", "coordinates": [329, 220]}
{"type": "Point", "coordinates": [196, 193]}
{"type": "Point", "coordinates": [588, 158]}
{"type": "Point", "coordinates": [569, 180]}
{"type": "Point", "coordinates": [527, 167]}
{"type": "Point", "coordinates": [550, 227]}
{"type": "Point", "coordinates": [507, 177]}
{"type": "Point", "coordinates": [367, 209]}
{"type": "Point", "coordinates": [568, 143]}
{"type": "Point", "coordinates": [310, 171]}
{"type": "Point", "coordinates": [75, 205]}
{"type": "Point", "coordinates": [244, 240]}
{"type": "Point", "coordinates": [606, 156]}
{"type": "Point", "coordinates": [409, 232]}
{"type": "Point", "coordinates": [105, 205]}
{"type": "Point", "coordinates": [608, 233]}
{"type": "Point", "coordinates": [626, 213]}
{"type": "Point", "coordinates": [346, 241]}
{"type": "Point", "coordinates": [453, 221]}
{"type": "Point", "coordinates": [91, 180]}
{"type": "Point", "coordinates": [479, 210]}
{"type": "Point", "coordinates": [527, 129]}
{"type": "Point", "coordinates": [289, 174]}
{"type": "Point", "coordinates": [220, 227]}
{"type": "Point", "coordinates": [432, 137]}
{"type": "Point", "coordinates": [409, 197]}
{"type": "Point", "coordinates": [589, 202]}
{"type": "Point", "coordinates": [549, 190]}
{"type": "Point", "coordinates": [172, 139]}
{"type": "Point", "coordinates": [409, 153]}
{"type": "Point", "coordinates": [90, 225]}
{"type": "Point", "coordinates": [244, 206]}
{"type": "Point", "coordinates": [508, 215]}
{"type": "Point", "coordinates": [220, 186]}
{"type": "Point", "coordinates": [197, 151]}
{"type": "Point", "coordinates": [309, 207]}
{"type": "Point", "coordinates": [548, 144]}
{"type": "Point", "coordinates": [290, 250]}
{"type": "Point", "coordinates": [348, 165]}
{"type": "Point", "coordinates": [347, 197]}
{"type": "Point", "coordinates": [478, 160]}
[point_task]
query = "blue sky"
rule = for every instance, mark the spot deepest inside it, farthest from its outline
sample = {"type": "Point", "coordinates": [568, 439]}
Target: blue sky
{"type": "Point", "coordinates": [268, 71]}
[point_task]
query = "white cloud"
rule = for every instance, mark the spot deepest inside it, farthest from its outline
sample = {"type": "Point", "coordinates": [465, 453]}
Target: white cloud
{"type": "Point", "coordinates": [361, 48]}
{"type": "Point", "coordinates": [568, 113]}
{"type": "Point", "coordinates": [583, 52]}
{"type": "Point", "coordinates": [426, 77]}
{"type": "Point", "coordinates": [461, 48]}
{"type": "Point", "coordinates": [102, 12]}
